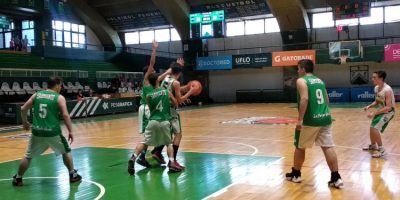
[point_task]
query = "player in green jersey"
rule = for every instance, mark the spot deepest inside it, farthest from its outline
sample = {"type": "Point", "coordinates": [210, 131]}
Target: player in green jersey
{"type": "Point", "coordinates": [314, 124]}
{"type": "Point", "coordinates": [158, 131]}
{"type": "Point", "coordinates": [385, 102]}
{"type": "Point", "coordinates": [173, 85]}
{"type": "Point", "coordinates": [46, 131]}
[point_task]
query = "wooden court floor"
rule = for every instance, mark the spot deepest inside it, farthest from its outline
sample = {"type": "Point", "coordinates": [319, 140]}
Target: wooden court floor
{"type": "Point", "coordinates": [364, 177]}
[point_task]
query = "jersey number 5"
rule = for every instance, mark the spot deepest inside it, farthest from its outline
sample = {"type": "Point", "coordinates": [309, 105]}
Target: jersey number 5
{"type": "Point", "coordinates": [320, 96]}
{"type": "Point", "coordinates": [42, 111]}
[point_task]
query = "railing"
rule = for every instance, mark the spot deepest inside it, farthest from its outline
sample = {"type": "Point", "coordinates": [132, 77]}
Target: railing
{"type": "Point", "coordinates": [12, 72]}
{"type": "Point", "coordinates": [305, 45]}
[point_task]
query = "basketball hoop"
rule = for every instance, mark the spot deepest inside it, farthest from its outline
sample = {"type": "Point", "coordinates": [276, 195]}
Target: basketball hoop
{"type": "Point", "coordinates": [343, 59]}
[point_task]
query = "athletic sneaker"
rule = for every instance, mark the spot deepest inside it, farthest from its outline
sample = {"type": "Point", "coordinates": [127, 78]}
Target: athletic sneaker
{"type": "Point", "coordinates": [294, 176]}
{"type": "Point", "coordinates": [380, 152]}
{"type": "Point", "coordinates": [172, 167]}
{"type": "Point", "coordinates": [131, 165]}
{"type": "Point", "coordinates": [17, 181]}
{"type": "Point", "coordinates": [159, 157]}
{"type": "Point", "coordinates": [142, 161]}
{"type": "Point", "coordinates": [179, 165]}
{"type": "Point", "coordinates": [371, 147]}
{"type": "Point", "coordinates": [74, 177]}
{"type": "Point", "coordinates": [336, 184]}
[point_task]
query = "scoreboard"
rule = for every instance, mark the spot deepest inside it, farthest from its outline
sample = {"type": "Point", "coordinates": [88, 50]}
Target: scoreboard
{"type": "Point", "coordinates": [207, 24]}
{"type": "Point", "coordinates": [352, 10]}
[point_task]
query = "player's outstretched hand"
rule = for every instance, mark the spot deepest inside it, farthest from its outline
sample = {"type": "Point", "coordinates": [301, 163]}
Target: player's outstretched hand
{"type": "Point", "coordinates": [366, 108]}
{"type": "Point", "coordinates": [155, 44]}
{"type": "Point", "coordinates": [70, 138]}
{"type": "Point", "coordinates": [371, 115]}
{"type": "Point", "coordinates": [26, 126]}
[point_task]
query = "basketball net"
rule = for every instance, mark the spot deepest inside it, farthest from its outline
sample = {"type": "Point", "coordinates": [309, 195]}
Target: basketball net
{"type": "Point", "coordinates": [343, 59]}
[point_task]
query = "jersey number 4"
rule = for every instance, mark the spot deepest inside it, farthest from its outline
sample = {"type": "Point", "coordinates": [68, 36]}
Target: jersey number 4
{"type": "Point", "coordinates": [42, 111]}
{"type": "Point", "coordinates": [159, 106]}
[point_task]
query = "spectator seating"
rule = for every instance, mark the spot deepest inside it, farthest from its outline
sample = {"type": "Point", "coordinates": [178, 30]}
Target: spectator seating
{"type": "Point", "coordinates": [28, 88]}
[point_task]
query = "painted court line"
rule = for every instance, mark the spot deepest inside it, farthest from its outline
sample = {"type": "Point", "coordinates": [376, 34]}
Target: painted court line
{"type": "Point", "coordinates": [100, 186]}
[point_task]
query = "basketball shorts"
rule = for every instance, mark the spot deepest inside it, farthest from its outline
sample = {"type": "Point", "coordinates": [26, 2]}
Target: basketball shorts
{"type": "Point", "coordinates": [175, 122]}
{"type": "Point", "coordinates": [310, 135]}
{"type": "Point", "coordinates": [38, 145]}
{"type": "Point", "coordinates": [157, 133]}
{"type": "Point", "coordinates": [143, 117]}
{"type": "Point", "coordinates": [381, 121]}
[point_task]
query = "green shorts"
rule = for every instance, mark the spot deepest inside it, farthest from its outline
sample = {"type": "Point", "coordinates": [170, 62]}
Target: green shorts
{"type": "Point", "coordinates": [157, 133]}
{"type": "Point", "coordinates": [38, 145]}
{"type": "Point", "coordinates": [176, 127]}
{"type": "Point", "coordinates": [381, 121]}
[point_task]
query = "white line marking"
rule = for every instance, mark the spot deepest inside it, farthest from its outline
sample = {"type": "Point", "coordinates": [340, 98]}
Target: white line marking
{"type": "Point", "coordinates": [83, 107]}
{"type": "Point", "coordinates": [75, 108]}
{"type": "Point", "coordinates": [225, 189]}
{"type": "Point", "coordinates": [90, 106]}
{"type": "Point", "coordinates": [95, 107]}
{"type": "Point", "coordinates": [100, 186]}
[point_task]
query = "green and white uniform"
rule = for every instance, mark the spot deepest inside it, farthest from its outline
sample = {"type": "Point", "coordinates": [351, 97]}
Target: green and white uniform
{"type": "Point", "coordinates": [381, 121]}
{"type": "Point", "coordinates": [176, 119]}
{"type": "Point", "coordinates": [46, 130]}
{"type": "Point", "coordinates": [317, 118]}
{"type": "Point", "coordinates": [158, 131]}
{"type": "Point", "coordinates": [144, 112]}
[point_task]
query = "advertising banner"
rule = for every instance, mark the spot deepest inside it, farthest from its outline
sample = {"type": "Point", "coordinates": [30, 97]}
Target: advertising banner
{"type": "Point", "coordinates": [392, 53]}
{"type": "Point", "coordinates": [339, 94]}
{"type": "Point", "coordinates": [214, 63]}
{"type": "Point", "coordinates": [362, 94]}
{"type": "Point", "coordinates": [252, 60]}
{"type": "Point", "coordinates": [291, 58]}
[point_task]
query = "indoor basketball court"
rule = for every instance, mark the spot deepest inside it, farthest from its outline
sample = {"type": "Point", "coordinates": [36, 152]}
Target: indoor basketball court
{"type": "Point", "coordinates": [249, 86]}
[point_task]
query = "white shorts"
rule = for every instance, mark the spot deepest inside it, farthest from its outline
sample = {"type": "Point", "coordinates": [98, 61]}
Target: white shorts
{"type": "Point", "coordinates": [175, 122]}
{"type": "Point", "coordinates": [38, 145]}
{"type": "Point", "coordinates": [143, 117]}
{"type": "Point", "coordinates": [320, 135]}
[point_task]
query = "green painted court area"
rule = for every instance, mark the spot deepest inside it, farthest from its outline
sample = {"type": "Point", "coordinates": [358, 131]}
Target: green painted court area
{"type": "Point", "coordinates": [105, 171]}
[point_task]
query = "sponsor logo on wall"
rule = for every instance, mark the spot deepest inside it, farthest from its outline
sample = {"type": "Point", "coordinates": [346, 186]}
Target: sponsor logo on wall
{"type": "Point", "coordinates": [392, 53]}
{"type": "Point", "coordinates": [339, 94]}
{"type": "Point", "coordinates": [214, 63]}
{"type": "Point", "coordinates": [291, 58]}
{"type": "Point", "coordinates": [362, 94]}
{"type": "Point", "coordinates": [252, 60]}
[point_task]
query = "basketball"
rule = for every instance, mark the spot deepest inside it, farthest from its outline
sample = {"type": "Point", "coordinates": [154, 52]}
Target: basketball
{"type": "Point", "coordinates": [197, 87]}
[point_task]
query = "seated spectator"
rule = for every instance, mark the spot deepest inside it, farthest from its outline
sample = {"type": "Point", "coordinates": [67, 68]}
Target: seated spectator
{"type": "Point", "coordinates": [80, 95]}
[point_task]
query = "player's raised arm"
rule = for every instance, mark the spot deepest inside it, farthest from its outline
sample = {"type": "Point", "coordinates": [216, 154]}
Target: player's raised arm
{"type": "Point", "coordinates": [152, 59]}
{"type": "Point", "coordinates": [173, 100]}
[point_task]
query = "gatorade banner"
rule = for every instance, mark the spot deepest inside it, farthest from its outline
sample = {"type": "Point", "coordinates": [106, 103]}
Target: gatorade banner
{"type": "Point", "coordinates": [392, 53]}
{"type": "Point", "coordinates": [291, 58]}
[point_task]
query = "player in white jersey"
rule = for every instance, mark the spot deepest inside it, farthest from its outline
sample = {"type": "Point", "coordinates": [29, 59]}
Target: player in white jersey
{"type": "Point", "coordinates": [385, 103]}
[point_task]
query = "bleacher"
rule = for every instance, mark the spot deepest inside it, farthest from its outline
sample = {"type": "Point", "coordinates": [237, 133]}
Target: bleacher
{"type": "Point", "coordinates": [28, 61]}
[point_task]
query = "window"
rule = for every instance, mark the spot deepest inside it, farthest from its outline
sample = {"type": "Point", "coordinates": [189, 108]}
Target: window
{"type": "Point", "coordinates": [375, 18]}
{"type": "Point", "coordinates": [8, 39]}
{"type": "Point", "coordinates": [68, 35]}
{"type": "Point", "coordinates": [162, 35]}
{"type": "Point", "coordinates": [1, 41]}
{"type": "Point", "coordinates": [234, 28]}
{"type": "Point", "coordinates": [322, 20]}
{"type": "Point", "coordinates": [132, 38]}
{"type": "Point", "coordinates": [271, 25]}
{"type": "Point", "coordinates": [28, 33]}
{"type": "Point", "coordinates": [254, 26]}
{"type": "Point", "coordinates": [347, 22]}
{"type": "Point", "coordinates": [175, 35]}
{"type": "Point", "coordinates": [392, 14]}
{"type": "Point", "coordinates": [146, 37]}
